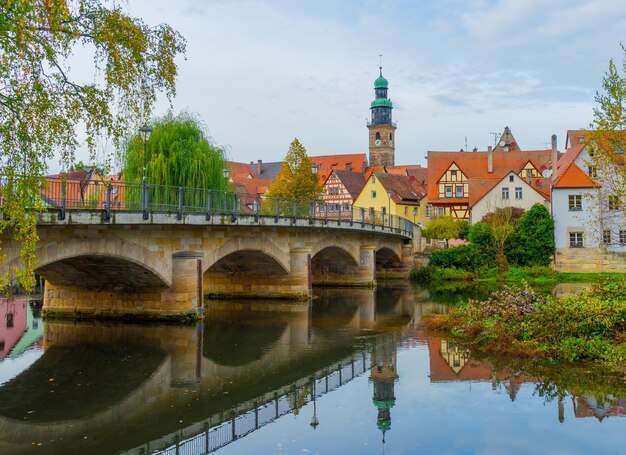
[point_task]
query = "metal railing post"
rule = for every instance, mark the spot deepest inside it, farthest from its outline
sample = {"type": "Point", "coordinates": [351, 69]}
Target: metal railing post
{"type": "Point", "coordinates": [224, 204]}
{"type": "Point", "coordinates": [179, 215]}
{"type": "Point", "coordinates": [276, 215]}
{"type": "Point", "coordinates": [295, 210]}
{"type": "Point", "coordinates": [63, 200]}
{"type": "Point", "coordinates": [257, 200]}
{"type": "Point", "coordinates": [233, 217]}
{"type": "Point", "coordinates": [311, 212]}
{"type": "Point", "coordinates": [325, 213]}
{"type": "Point", "coordinates": [146, 201]}
{"type": "Point", "coordinates": [362, 217]}
{"type": "Point", "coordinates": [208, 206]}
{"type": "Point", "coordinates": [339, 217]}
{"type": "Point", "coordinates": [107, 204]}
{"type": "Point", "coordinates": [351, 215]}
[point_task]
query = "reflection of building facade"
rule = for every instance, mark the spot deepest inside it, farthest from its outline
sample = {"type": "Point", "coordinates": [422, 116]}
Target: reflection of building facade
{"type": "Point", "coordinates": [383, 374]}
{"type": "Point", "coordinates": [589, 406]}
{"type": "Point", "coordinates": [12, 323]}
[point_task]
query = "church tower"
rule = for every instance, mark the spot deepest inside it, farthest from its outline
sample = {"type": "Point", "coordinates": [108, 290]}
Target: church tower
{"type": "Point", "coordinates": [382, 129]}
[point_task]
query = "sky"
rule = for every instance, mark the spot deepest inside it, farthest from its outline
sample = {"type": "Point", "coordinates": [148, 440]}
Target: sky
{"type": "Point", "coordinates": [260, 73]}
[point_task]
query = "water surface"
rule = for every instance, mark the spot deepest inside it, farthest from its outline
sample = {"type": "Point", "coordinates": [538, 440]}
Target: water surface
{"type": "Point", "coordinates": [353, 372]}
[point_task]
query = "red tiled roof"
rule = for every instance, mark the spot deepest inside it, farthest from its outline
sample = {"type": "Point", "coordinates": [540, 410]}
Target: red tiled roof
{"type": "Point", "coordinates": [405, 190]}
{"type": "Point", "coordinates": [352, 181]}
{"type": "Point", "coordinates": [354, 162]}
{"type": "Point", "coordinates": [240, 169]}
{"type": "Point", "coordinates": [474, 166]}
{"type": "Point", "coordinates": [574, 137]}
{"type": "Point", "coordinates": [569, 175]}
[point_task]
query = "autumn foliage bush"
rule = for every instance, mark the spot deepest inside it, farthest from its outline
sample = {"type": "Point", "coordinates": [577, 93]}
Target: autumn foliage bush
{"type": "Point", "coordinates": [590, 325]}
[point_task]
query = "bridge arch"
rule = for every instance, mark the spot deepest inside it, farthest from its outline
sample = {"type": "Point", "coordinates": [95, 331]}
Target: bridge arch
{"type": "Point", "coordinates": [106, 262]}
{"type": "Point", "coordinates": [230, 257]}
{"type": "Point", "coordinates": [350, 248]}
{"type": "Point", "coordinates": [387, 258]}
{"type": "Point", "coordinates": [247, 261]}
{"type": "Point", "coordinates": [333, 265]}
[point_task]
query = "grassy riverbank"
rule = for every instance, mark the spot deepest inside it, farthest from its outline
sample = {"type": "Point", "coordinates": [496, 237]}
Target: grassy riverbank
{"type": "Point", "coordinates": [538, 274]}
{"type": "Point", "coordinates": [519, 321]}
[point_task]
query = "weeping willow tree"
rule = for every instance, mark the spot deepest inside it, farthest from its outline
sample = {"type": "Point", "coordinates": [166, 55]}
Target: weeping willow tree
{"type": "Point", "coordinates": [179, 153]}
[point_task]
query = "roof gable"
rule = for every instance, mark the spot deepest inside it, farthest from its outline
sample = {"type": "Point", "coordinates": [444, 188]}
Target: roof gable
{"type": "Point", "coordinates": [574, 177]}
{"type": "Point", "coordinates": [519, 180]}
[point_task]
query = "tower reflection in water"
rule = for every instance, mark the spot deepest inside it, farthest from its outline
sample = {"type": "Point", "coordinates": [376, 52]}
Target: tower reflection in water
{"type": "Point", "coordinates": [136, 389]}
{"type": "Point", "coordinates": [384, 374]}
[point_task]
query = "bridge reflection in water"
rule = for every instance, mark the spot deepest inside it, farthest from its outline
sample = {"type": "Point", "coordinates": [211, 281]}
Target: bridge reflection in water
{"type": "Point", "coordinates": [137, 389]}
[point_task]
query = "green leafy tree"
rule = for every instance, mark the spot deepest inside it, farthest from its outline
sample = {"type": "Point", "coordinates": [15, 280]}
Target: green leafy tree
{"type": "Point", "coordinates": [443, 227]}
{"type": "Point", "coordinates": [535, 238]}
{"type": "Point", "coordinates": [180, 153]}
{"type": "Point", "coordinates": [42, 102]}
{"type": "Point", "coordinates": [606, 141]}
{"type": "Point", "coordinates": [295, 182]}
{"type": "Point", "coordinates": [502, 222]}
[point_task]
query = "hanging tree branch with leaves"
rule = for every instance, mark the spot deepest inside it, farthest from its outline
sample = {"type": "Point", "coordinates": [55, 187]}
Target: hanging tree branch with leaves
{"type": "Point", "coordinates": [42, 102]}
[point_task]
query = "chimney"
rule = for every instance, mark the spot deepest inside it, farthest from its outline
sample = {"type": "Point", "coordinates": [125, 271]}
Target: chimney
{"type": "Point", "coordinates": [555, 158]}
{"type": "Point", "coordinates": [259, 168]}
{"type": "Point", "coordinates": [489, 159]}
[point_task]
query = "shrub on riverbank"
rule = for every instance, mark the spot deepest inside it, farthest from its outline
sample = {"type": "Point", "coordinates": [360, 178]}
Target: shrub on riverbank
{"type": "Point", "coordinates": [434, 274]}
{"type": "Point", "coordinates": [517, 320]}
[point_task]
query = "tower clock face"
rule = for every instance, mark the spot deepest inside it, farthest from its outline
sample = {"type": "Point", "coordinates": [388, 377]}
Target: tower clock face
{"type": "Point", "coordinates": [377, 142]}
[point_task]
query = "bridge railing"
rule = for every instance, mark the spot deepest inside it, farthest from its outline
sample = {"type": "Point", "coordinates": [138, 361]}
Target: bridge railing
{"type": "Point", "coordinates": [115, 196]}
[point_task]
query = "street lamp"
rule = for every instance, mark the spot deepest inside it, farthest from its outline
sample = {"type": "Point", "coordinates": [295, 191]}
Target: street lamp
{"type": "Point", "coordinates": [389, 194]}
{"type": "Point", "coordinates": [314, 168]}
{"type": "Point", "coordinates": [314, 420]}
{"type": "Point", "coordinates": [144, 132]}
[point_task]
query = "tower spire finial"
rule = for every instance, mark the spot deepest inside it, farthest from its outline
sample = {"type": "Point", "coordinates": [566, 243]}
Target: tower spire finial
{"type": "Point", "coordinates": [380, 64]}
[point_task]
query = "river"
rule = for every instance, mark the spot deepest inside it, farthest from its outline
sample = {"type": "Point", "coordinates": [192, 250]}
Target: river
{"type": "Point", "coordinates": [353, 372]}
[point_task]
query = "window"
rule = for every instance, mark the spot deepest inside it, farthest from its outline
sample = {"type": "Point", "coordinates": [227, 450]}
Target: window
{"type": "Point", "coordinates": [576, 239]}
{"type": "Point", "coordinates": [346, 207]}
{"type": "Point", "coordinates": [338, 207]}
{"type": "Point", "coordinates": [622, 236]}
{"type": "Point", "coordinates": [511, 178]}
{"type": "Point", "coordinates": [384, 210]}
{"type": "Point", "coordinates": [518, 192]}
{"type": "Point", "coordinates": [530, 173]}
{"type": "Point", "coordinates": [606, 237]}
{"type": "Point", "coordinates": [453, 175]}
{"type": "Point", "coordinates": [439, 211]}
{"type": "Point", "coordinates": [406, 210]}
{"type": "Point", "coordinates": [428, 210]}
{"type": "Point", "coordinates": [613, 203]}
{"type": "Point", "coordinates": [374, 194]}
{"type": "Point", "coordinates": [377, 136]}
{"type": "Point", "coordinates": [591, 171]}
{"type": "Point", "coordinates": [331, 207]}
{"type": "Point", "coordinates": [575, 202]}
{"type": "Point", "coordinates": [9, 320]}
{"type": "Point", "coordinates": [459, 191]}
{"type": "Point", "coordinates": [373, 179]}
{"type": "Point", "coordinates": [448, 191]}
{"type": "Point", "coordinates": [505, 193]}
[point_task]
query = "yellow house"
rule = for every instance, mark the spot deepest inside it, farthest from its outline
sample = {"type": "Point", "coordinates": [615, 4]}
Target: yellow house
{"type": "Point", "coordinates": [399, 195]}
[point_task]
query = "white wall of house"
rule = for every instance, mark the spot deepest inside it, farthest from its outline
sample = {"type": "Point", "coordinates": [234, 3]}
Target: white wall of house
{"type": "Point", "coordinates": [494, 200]}
{"type": "Point", "coordinates": [586, 220]}
{"type": "Point", "coordinates": [568, 220]}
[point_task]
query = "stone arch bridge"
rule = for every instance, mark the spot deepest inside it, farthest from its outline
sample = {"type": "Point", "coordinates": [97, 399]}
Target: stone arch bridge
{"type": "Point", "coordinates": [162, 267]}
